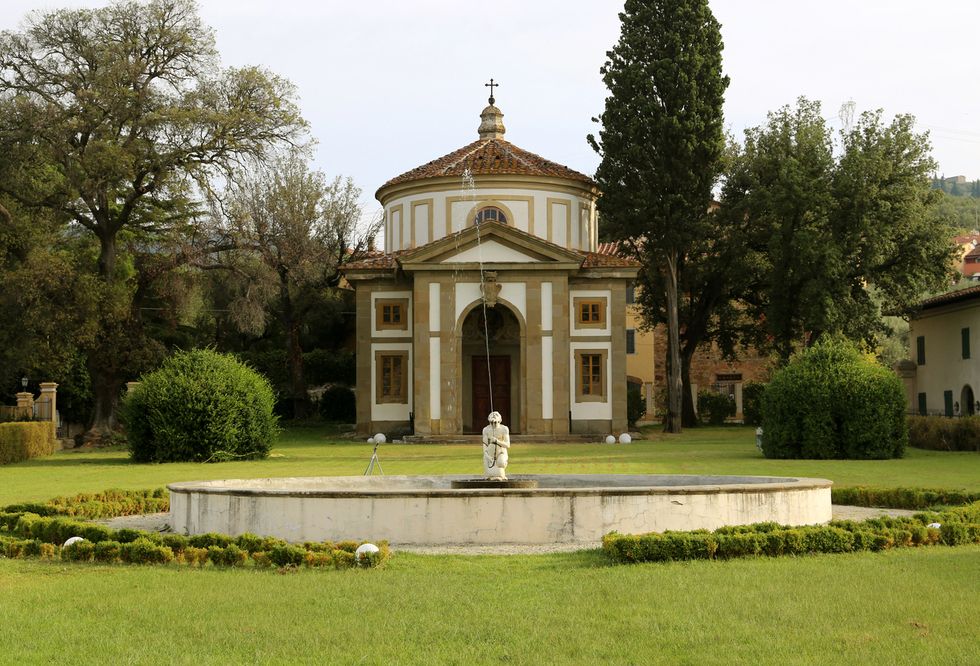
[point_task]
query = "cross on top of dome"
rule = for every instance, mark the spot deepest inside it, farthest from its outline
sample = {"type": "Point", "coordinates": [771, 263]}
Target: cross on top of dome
{"type": "Point", "coordinates": [491, 85]}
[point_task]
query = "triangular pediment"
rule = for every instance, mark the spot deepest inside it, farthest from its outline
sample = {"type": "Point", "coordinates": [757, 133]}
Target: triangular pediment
{"type": "Point", "coordinates": [488, 251]}
{"type": "Point", "coordinates": [491, 243]}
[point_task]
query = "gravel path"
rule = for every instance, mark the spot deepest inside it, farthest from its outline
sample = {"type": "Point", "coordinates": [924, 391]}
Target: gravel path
{"type": "Point", "coordinates": [159, 522]}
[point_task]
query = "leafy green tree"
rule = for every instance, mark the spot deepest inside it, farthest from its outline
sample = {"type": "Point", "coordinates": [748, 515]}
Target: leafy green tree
{"type": "Point", "coordinates": [120, 115]}
{"type": "Point", "coordinates": [661, 144]}
{"type": "Point", "coordinates": [47, 298]}
{"type": "Point", "coordinates": [293, 231]}
{"type": "Point", "coordinates": [710, 279]}
{"type": "Point", "coordinates": [837, 238]}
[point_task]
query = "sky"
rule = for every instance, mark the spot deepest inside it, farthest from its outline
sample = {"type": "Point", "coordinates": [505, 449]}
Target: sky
{"type": "Point", "coordinates": [388, 85]}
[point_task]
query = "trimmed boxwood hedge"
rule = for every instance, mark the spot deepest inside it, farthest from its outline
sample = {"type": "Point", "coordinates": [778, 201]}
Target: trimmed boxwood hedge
{"type": "Point", "coordinates": [901, 498]}
{"type": "Point", "coordinates": [200, 406]}
{"type": "Point", "coordinates": [28, 533]}
{"type": "Point", "coordinates": [22, 440]}
{"type": "Point", "coordinates": [832, 401]}
{"type": "Point", "coordinates": [957, 526]}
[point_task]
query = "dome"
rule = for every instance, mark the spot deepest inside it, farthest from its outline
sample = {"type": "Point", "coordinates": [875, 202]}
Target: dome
{"type": "Point", "coordinates": [490, 155]}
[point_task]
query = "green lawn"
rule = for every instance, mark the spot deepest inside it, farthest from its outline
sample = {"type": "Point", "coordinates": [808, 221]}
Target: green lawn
{"type": "Point", "coordinates": [905, 606]}
{"type": "Point", "coordinates": [316, 452]}
{"type": "Point", "coordinates": [898, 607]}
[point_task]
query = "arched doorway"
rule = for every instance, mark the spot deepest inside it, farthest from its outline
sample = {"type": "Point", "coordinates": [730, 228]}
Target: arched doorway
{"type": "Point", "coordinates": [967, 405]}
{"type": "Point", "coordinates": [491, 382]}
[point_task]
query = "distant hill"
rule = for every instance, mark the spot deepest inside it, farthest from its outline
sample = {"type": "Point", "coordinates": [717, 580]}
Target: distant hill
{"type": "Point", "coordinates": [957, 186]}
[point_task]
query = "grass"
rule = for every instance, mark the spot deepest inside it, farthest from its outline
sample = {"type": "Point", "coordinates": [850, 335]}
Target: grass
{"type": "Point", "coordinates": [905, 606]}
{"type": "Point", "coordinates": [894, 607]}
{"type": "Point", "coordinates": [318, 452]}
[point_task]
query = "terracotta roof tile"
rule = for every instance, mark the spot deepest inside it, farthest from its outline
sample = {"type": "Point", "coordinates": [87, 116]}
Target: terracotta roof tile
{"type": "Point", "coordinates": [951, 297]}
{"type": "Point", "coordinates": [375, 261]}
{"type": "Point", "coordinates": [607, 260]}
{"type": "Point", "coordinates": [489, 157]}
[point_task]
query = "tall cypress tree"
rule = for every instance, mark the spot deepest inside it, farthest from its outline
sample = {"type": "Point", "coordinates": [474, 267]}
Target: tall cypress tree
{"type": "Point", "coordinates": [661, 144]}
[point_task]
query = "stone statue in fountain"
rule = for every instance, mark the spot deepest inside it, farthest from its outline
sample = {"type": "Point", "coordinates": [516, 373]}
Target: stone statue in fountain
{"type": "Point", "coordinates": [496, 441]}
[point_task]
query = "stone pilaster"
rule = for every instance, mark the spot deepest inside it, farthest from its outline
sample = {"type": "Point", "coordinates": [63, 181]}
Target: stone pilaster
{"type": "Point", "coordinates": [420, 344]}
{"type": "Point", "coordinates": [563, 372]}
{"type": "Point", "coordinates": [617, 329]}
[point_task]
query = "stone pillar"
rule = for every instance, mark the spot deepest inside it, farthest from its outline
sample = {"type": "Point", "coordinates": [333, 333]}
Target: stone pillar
{"type": "Point", "coordinates": [563, 371]}
{"type": "Point", "coordinates": [49, 395]}
{"type": "Point", "coordinates": [421, 376]}
{"type": "Point", "coordinates": [617, 357]}
{"type": "Point", "coordinates": [25, 405]}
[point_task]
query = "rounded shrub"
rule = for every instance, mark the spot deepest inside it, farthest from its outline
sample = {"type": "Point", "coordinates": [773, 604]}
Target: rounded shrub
{"type": "Point", "coordinates": [200, 406]}
{"type": "Point", "coordinates": [832, 401]}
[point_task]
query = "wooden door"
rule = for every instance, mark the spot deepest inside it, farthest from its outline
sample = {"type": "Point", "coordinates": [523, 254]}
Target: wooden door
{"type": "Point", "coordinates": [499, 368]}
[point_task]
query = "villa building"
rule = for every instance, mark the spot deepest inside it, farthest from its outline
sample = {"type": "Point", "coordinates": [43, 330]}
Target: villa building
{"type": "Point", "coordinates": [491, 294]}
{"type": "Point", "coordinates": [943, 376]}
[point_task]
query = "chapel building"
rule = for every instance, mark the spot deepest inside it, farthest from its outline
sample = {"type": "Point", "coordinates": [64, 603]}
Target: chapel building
{"type": "Point", "coordinates": [491, 295]}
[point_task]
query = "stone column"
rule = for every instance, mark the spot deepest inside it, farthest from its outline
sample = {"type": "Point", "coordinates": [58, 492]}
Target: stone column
{"type": "Point", "coordinates": [25, 405]}
{"type": "Point", "coordinates": [49, 395]}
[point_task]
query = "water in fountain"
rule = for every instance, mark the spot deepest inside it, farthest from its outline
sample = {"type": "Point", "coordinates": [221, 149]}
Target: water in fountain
{"type": "Point", "coordinates": [470, 183]}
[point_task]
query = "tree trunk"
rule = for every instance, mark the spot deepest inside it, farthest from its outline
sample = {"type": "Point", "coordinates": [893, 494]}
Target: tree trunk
{"type": "Point", "coordinates": [104, 376]}
{"type": "Point", "coordinates": [107, 256]}
{"type": "Point", "coordinates": [689, 417]}
{"type": "Point", "coordinates": [105, 390]}
{"type": "Point", "coordinates": [294, 351]}
{"type": "Point", "coordinates": [675, 387]}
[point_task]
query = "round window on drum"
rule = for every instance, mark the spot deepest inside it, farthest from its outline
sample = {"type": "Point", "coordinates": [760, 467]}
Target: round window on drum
{"type": "Point", "coordinates": [490, 214]}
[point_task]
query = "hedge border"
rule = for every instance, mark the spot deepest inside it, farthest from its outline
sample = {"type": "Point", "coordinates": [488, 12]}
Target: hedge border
{"type": "Point", "coordinates": [31, 535]}
{"type": "Point", "coordinates": [38, 529]}
{"type": "Point", "coordinates": [956, 526]}
{"type": "Point", "coordinates": [915, 499]}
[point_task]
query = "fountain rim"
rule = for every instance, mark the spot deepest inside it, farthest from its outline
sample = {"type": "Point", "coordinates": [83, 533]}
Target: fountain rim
{"type": "Point", "coordinates": [740, 484]}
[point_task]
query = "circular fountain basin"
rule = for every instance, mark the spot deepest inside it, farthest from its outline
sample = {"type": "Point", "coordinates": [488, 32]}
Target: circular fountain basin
{"type": "Point", "coordinates": [426, 510]}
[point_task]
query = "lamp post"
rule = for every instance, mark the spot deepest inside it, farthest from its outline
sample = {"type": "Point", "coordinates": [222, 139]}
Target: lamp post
{"type": "Point", "coordinates": [23, 382]}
